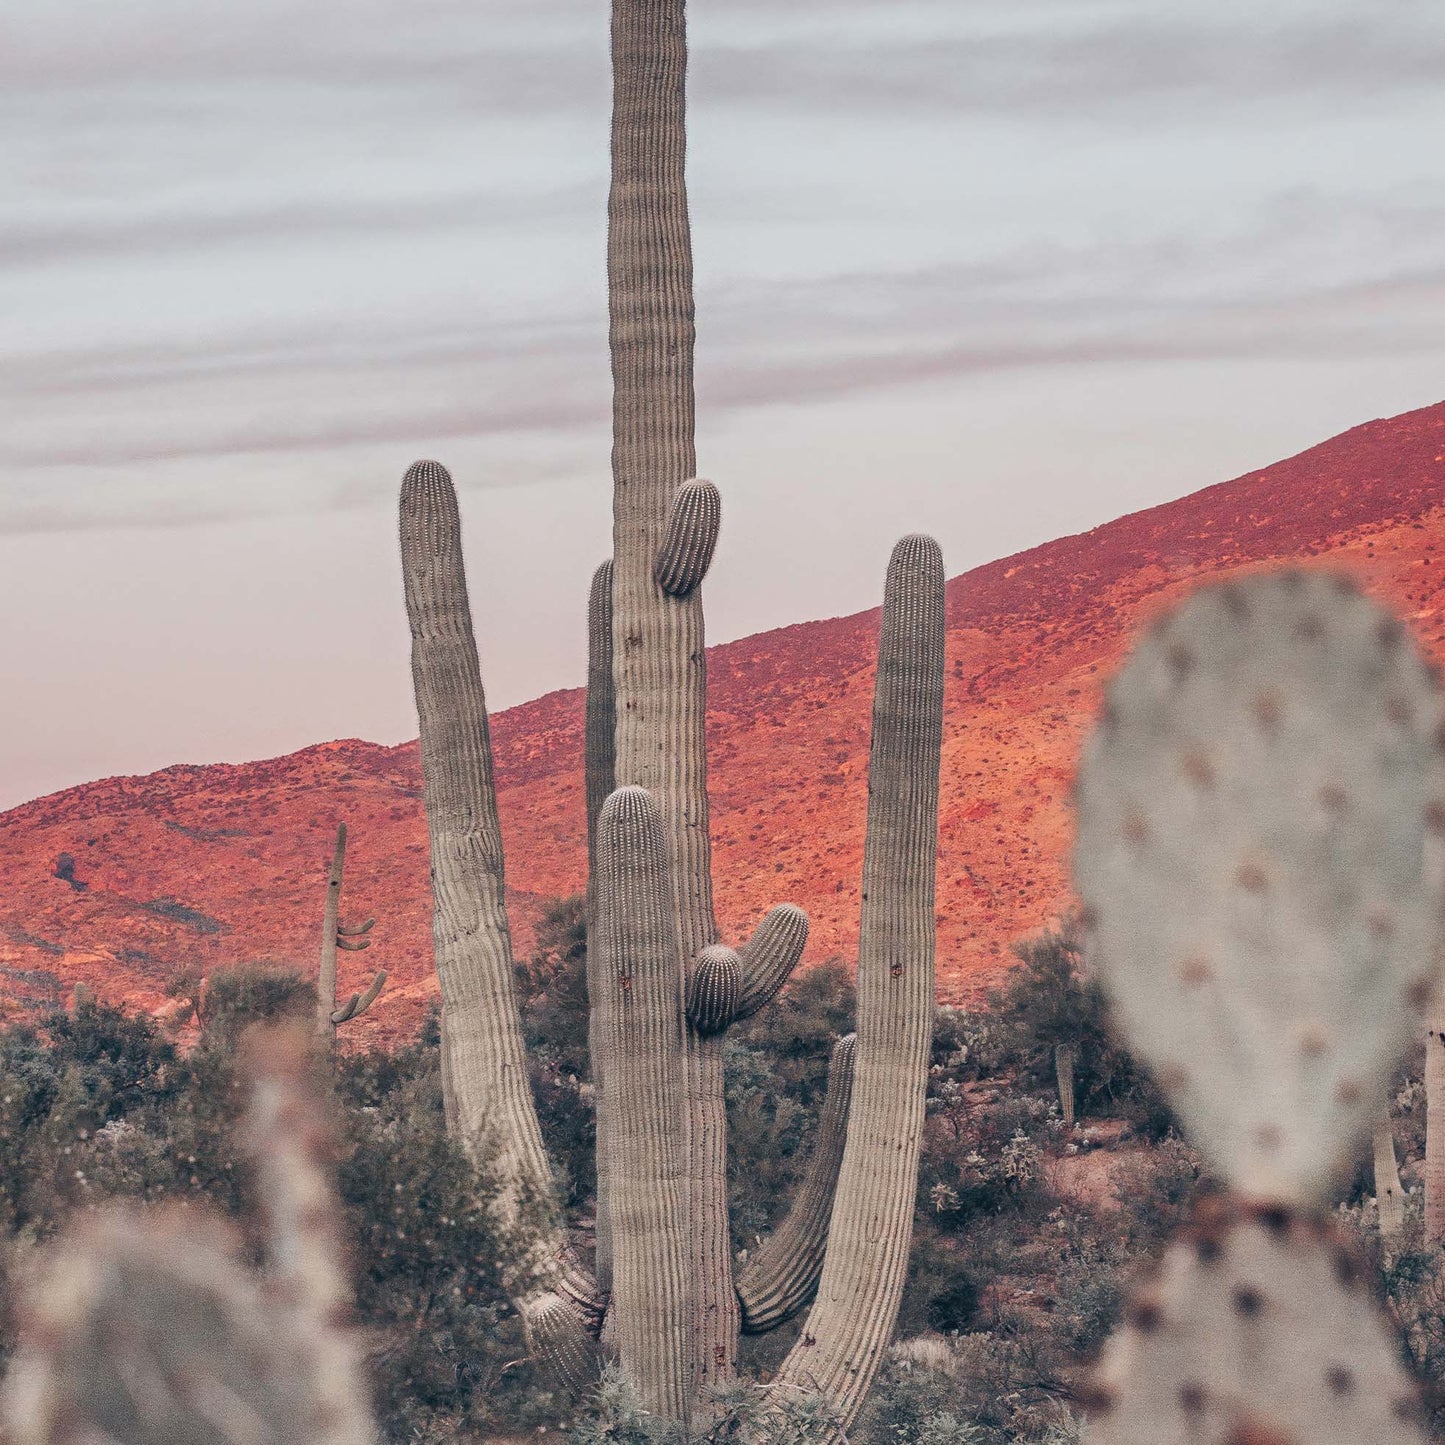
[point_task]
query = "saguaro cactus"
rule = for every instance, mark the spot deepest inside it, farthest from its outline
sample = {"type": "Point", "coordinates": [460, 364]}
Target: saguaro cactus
{"type": "Point", "coordinates": [664, 987]}
{"type": "Point", "coordinates": [1256, 811]}
{"type": "Point", "coordinates": [337, 935]}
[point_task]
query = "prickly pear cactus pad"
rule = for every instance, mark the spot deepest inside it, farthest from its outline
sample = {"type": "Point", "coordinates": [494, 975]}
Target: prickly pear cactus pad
{"type": "Point", "coordinates": [1255, 1330]}
{"type": "Point", "coordinates": [1254, 810]}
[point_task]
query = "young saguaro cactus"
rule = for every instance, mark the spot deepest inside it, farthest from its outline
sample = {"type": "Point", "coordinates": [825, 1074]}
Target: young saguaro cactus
{"type": "Point", "coordinates": [1256, 854]}
{"type": "Point", "coordinates": [337, 935]}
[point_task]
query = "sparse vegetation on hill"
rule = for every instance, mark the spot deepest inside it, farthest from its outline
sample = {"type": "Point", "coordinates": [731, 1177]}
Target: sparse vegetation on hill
{"type": "Point", "coordinates": [1026, 1233]}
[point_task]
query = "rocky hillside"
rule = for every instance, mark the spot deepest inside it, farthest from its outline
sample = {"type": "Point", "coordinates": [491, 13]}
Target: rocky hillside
{"type": "Point", "coordinates": [122, 882]}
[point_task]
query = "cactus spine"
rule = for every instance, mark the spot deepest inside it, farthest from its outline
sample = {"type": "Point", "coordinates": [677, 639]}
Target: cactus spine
{"type": "Point", "coordinates": [1255, 855]}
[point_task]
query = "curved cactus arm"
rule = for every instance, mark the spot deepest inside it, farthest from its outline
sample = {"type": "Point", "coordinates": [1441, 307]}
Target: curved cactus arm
{"type": "Point", "coordinates": [355, 930]}
{"type": "Point", "coordinates": [783, 1275]}
{"type": "Point", "coordinates": [770, 956]}
{"type": "Point", "coordinates": [358, 1003]}
{"type": "Point", "coordinates": [693, 524]}
{"type": "Point", "coordinates": [713, 989]}
{"type": "Point", "coordinates": [1254, 811]}
{"type": "Point", "coordinates": [489, 1090]}
{"type": "Point", "coordinates": [1255, 1328]}
{"type": "Point", "coordinates": [563, 1335]}
{"type": "Point", "coordinates": [848, 1328]}
{"type": "Point", "coordinates": [642, 1032]}
{"type": "Point", "coordinates": [600, 772]}
{"type": "Point", "coordinates": [326, 979]}
{"type": "Point", "coordinates": [353, 945]}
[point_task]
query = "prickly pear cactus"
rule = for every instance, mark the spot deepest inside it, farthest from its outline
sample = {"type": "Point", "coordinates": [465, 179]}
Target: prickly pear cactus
{"type": "Point", "coordinates": [1253, 814]}
{"type": "Point", "coordinates": [1262, 895]}
{"type": "Point", "coordinates": [1256, 1330]}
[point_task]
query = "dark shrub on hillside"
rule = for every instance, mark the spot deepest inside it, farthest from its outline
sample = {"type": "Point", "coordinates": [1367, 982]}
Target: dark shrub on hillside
{"type": "Point", "coordinates": [98, 1105]}
{"type": "Point", "coordinates": [1048, 999]}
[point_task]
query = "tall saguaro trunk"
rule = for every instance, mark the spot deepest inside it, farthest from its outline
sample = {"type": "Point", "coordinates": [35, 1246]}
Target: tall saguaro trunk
{"type": "Point", "coordinates": [658, 659]}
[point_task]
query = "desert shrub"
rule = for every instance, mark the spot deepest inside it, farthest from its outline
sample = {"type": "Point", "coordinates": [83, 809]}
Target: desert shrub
{"type": "Point", "coordinates": [98, 1105]}
{"type": "Point", "coordinates": [1048, 999]}
{"type": "Point", "coordinates": [552, 993]}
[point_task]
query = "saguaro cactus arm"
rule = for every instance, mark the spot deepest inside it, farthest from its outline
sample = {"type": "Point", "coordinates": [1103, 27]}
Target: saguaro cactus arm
{"type": "Point", "coordinates": [487, 1066]}
{"type": "Point", "coordinates": [783, 1275]}
{"type": "Point", "coordinates": [687, 546]}
{"type": "Point", "coordinates": [640, 999]}
{"type": "Point", "coordinates": [770, 956]}
{"type": "Point", "coordinates": [358, 1003]}
{"type": "Point", "coordinates": [849, 1325]}
{"type": "Point", "coordinates": [600, 773]}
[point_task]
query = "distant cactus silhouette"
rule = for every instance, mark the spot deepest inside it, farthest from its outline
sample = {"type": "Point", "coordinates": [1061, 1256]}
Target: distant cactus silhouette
{"type": "Point", "coordinates": [334, 935]}
{"type": "Point", "coordinates": [1257, 856]}
{"type": "Point", "coordinates": [143, 1328]}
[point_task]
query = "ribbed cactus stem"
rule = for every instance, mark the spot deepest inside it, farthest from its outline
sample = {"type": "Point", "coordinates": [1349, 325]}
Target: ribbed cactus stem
{"type": "Point", "coordinates": [1064, 1075]}
{"type": "Point", "coordinates": [713, 989]}
{"type": "Point", "coordinates": [640, 998]}
{"type": "Point", "coordinates": [599, 770]}
{"type": "Point", "coordinates": [326, 981]}
{"type": "Point", "coordinates": [1389, 1196]}
{"type": "Point", "coordinates": [783, 1275]}
{"type": "Point", "coordinates": [659, 662]}
{"type": "Point", "coordinates": [487, 1067]}
{"type": "Point", "coordinates": [850, 1323]}
{"type": "Point", "coordinates": [691, 538]}
{"type": "Point", "coordinates": [771, 955]}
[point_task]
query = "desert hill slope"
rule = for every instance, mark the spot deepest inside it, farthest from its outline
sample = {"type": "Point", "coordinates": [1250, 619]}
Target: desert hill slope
{"type": "Point", "coordinates": [124, 881]}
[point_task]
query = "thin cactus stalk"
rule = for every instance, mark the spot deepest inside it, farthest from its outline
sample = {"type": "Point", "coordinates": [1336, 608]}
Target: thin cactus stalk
{"type": "Point", "coordinates": [1254, 850]}
{"type": "Point", "coordinates": [1064, 1074]}
{"type": "Point", "coordinates": [334, 935]}
{"type": "Point", "coordinates": [871, 1228]}
{"type": "Point", "coordinates": [782, 1277]}
{"type": "Point", "coordinates": [600, 773]}
{"type": "Point", "coordinates": [1389, 1195]}
{"type": "Point", "coordinates": [1435, 1127]}
{"type": "Point", "coordinates": [145, 1329]}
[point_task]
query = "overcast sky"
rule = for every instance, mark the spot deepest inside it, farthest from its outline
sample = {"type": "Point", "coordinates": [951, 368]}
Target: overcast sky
{"type": "Point", "coordinates": [999, 269]}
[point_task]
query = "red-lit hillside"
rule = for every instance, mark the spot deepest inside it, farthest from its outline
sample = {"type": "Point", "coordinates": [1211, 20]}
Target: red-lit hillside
{"type": "Point", "coordinates": [211, 865]}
